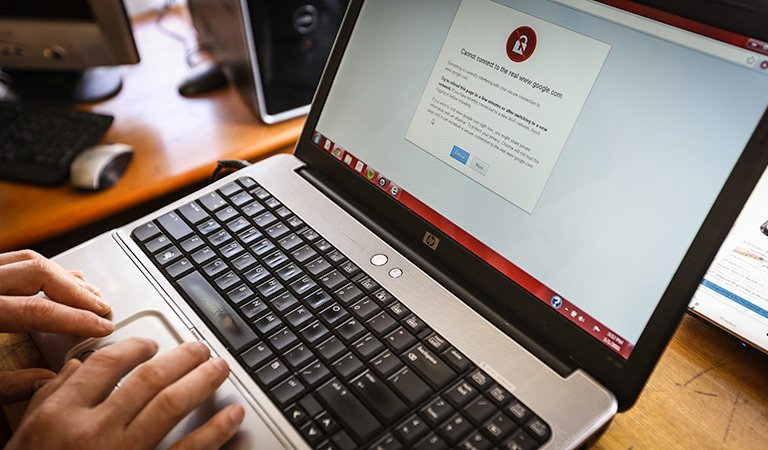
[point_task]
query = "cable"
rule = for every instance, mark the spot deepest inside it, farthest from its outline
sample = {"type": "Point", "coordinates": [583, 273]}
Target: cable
{"type": "Point", "coordinates": [226, 167]}
{"type": "Point", "coordinates": [189, 51]}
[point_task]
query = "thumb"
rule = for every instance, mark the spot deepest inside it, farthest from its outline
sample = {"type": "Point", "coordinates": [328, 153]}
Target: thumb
{"type": "Point", "coordinates": [19, 385]}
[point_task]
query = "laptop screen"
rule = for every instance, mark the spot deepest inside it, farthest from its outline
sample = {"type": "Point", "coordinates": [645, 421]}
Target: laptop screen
{"type": "Point", "coordinates": [575, 147]}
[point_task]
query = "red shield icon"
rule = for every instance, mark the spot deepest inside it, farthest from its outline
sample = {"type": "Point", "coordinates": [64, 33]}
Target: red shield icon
{"type": "Point", "coordinates": [521, 44]}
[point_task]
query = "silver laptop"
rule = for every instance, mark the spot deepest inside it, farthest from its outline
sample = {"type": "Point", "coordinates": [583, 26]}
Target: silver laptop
{"type": "Point", "coordinates": [491, 226]}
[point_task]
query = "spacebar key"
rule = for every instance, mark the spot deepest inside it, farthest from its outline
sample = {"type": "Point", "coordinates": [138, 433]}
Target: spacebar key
{"type": "Point", "coordinates": [224, 319]}
{"type": "Point", "coordinates": [349, 411]}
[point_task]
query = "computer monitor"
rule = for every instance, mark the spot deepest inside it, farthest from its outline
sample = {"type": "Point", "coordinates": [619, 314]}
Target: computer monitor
{"type": "Point", "coordinates": [65, 51]}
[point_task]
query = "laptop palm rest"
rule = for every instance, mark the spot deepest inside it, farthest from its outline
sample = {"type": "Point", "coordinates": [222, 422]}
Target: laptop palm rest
{"type": "Point", "coordinates": [140, 310]}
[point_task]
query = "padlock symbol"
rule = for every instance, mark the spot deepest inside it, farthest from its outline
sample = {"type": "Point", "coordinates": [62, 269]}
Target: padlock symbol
{"type": "Point", "coordinates": [520, 45]}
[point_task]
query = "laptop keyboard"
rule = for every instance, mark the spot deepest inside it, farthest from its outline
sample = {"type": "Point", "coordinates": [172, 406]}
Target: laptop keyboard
{"type": "Point", "coordinates": [349, 365]}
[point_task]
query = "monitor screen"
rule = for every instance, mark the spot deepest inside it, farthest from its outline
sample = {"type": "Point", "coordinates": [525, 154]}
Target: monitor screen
{"type": "Point", "coordinates": [47, 9]}
{"type": "Point", "coordinates": [575, 147]}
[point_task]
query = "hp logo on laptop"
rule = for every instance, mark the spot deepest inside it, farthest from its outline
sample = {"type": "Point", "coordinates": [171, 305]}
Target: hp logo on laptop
{"type": "Point", "coordinates": [431, 240]}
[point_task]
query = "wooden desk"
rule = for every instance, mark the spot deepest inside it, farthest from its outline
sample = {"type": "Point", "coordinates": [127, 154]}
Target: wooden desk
{"type": "Point", "coordinates": [177, 142]}
{"type": "Point", "coordinates": [707, 392]}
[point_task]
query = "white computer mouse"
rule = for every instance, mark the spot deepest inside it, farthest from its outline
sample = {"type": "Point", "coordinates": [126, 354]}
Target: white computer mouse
{"type": "Point", "coordinates": [100, 166]}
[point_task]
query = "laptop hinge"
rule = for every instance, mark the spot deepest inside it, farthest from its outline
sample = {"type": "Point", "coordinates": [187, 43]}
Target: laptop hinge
{"type": "Point", "coordinates": [354, 209]}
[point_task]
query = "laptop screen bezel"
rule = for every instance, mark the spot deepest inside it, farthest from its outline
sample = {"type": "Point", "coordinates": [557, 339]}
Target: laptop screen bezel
{"type": "Point", "coordinates": [508, 305]}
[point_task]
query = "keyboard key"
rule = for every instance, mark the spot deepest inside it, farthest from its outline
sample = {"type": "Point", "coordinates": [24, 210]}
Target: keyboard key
{"type": "Point", "coordinates": [249, 236]}
{"type": "Point", "coordinates": [272, 203]}
{"type": "Point", "coordinates": [348, 294]}
{"type": "Point", "coordinates": [267, 324]}
{"type": "Point", "coordinates": [255, 356]}
{"type": "Point", "coordinates": [410, 387]}
{"type": "Point", "coordinates": [284, 302]}
{"type": "Point", "coordinates": [271, 373]}
{"type": "Point", "coordinates": [499, 395]}
{"type": "Point", "coordinates": [260, 193]}
{"type": "Point", "coordinates": [400, 340]}
{"type": "Point", "coordinates": [331, 349]}
{"type": "Point", "coordinates": [538, 429]}
{"type": "Point", "coordinates": [311, 432]}
{"type": "Point", "coordinates": [457, 360]}
{"type": "Point", "coordinates": [335, 256]}
{"type": "Point", "coordinates": [231, 250]}
{"type": "Point", "coordinates": [368, 284]}
{"type": "Point", "coordinates": [192, 244]}
{"type": "Point", "coordinates": [349, 411]}
{"type": "Point", "coordinates": [382, 401]}
{"type": "Point", "coordinates": [167, 256]}
{"type": "Point", "coordinates": [265, 220]}
{"type": "Point", "coordinates": [208, 227]}
{"type": "Point", "coordinates": [437, 412]}
{"type": "Point", "coordinates": [244, 262]}
{"type": "Point", "coordinates": [275, 260]}
{"type": "Point", "coordinates": [350, 330]}
{"type": "Point", "coordinates": [225, 214]}
{"type": "Point", "coordinates": [304, 254]}
{"type": "Point", "coordinates": [348, 365]}
{"type": "Point", "coordinates": [365, 309]}
{"type": "Point", "coordinates": [386, 364]}
{"type": "Point", "coordinates": [269, 288]}
{"type": "Point", "coordinates": [382, 323]}
{"type": "Point", "coordinates": [297, 415]}
{"type": "Point", "coordinates": [314, 374]}
{"type": "Point", "coordinates": [480, 379]}
{"type": "Point", "coordinates": [414, 324]}
{"type": "Point", "coordinates": [174, 226]}
{"type": "Point", "coordinates": [212, 201]}
{"type": "Point", "coordinates": [157, 244]}
{"type": "Point", "coordinates": [328, 425]}
{"type": "Point", "coordinates": [230, 327]}
{"type": "Point", "coordinates": [298, 356]}
{"type": "Point", "coordinates": [283, 339]}
{"type": "Point", "coordinates": [456, 428]}
{"type": "Point", "coordinates": [277, 230]}
{"type": "Point", "coordinates": [240, 294]}
{"type": "Point", "coordinates": [334, 314]}
{"type": "Point", "coordinates": [315, 332]}
{"type": "Point", "coordinates": [247, 182]}
{"type": "Point", "coordinates": [317, 266]}
{"type": "Point", "coordinates": [349, 269]}
{"type": "Point", "coordinates": [318, 299]}
{"type": "Point", "coordinates": [411, 430]}
{"type": "Point", "coordinates": [283, 212]}
{"type": "Point", "coordinates": [367, 346]}
{"type": "Point", "coordinates": [520, 441]}
{"type": "Point", "coordinates": [214, 268]}
{"type": "Point", "coordinates": [290, 242]}
{"type": "Point", "coordinates": [298, 317]}
{"type": "Point", "coordinates": [333, 280]}
{"type": "Point", "coordinates": [253, 309]}
{"type": "Point", "coordinates": [499, 427]}
{"type": "Point", "coordinates": [256, 275]}
{"type": "Point", "coordinates": [227, 281]}
{"type": "Point", "coordinates": [179, 268]}
{"type": "Point", "coordinates": [479, 410]}
{"type": "Point", "coordinates": [241, 198]}
{"type": "Point", "coordinates": [431, 442]}
{"type": "Point", "coordinates": [388, 442]}
{"type": "Point", "coordinates": [303, 285]}
{"type": "Point", "coordinates": [145, 232]}
{"type": "Point", "coordinates": [519, 412]}
{"type": "Point", "coordinates": [310, 235]}
{"type": "Point", "coordinates": [252, 209]}
{"type": "Point", "coordinates": [461, 394]}
{"type": "Point", "coordinates": [383, 298]}
{"type": "Point", "coordinates": [230, 188]}
{"type": "Point", "coordinates": [476, 441]}
{"type": "Point", "coordinates": [294, 222]}
{"type": "Point", "coordinates": [436, 343]}
{"type": "Point", "coordinates": [398, 310]}
{"type": "Point", "coordinates": [219, 238]}
{"type": "Point", "coordinates": [238, 225]}
{"type": "Point", "coordinates": [323, 246]}
{"type": "Point", "coordinates": [429, 367]}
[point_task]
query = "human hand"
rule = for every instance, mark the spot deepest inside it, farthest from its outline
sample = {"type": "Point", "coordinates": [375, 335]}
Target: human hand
{"type": "Point", "coordinates": [81, 409]}
{"type": "Point", "coordinates": [74, 307]}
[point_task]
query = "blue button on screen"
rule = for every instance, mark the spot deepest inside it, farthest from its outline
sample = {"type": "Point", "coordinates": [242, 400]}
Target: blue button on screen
{"type": "Point", "coordinates": [460, 155]}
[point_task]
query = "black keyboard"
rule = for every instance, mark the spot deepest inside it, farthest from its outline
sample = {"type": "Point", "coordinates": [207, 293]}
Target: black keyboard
{"type": "Point", "coordinates": [38, 142]}
{"type": "Point", "coordinates": [349, 365]}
